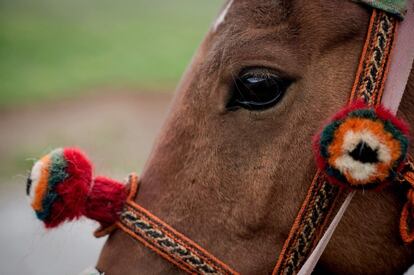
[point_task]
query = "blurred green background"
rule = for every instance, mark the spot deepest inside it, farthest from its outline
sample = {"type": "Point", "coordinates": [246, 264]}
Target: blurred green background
{"type": "Point", "coordinates": [56, 48]}
{"type": "Point", "coordinates": [95, 74]}
{"type": "Point", "coordinates": [54, 51]}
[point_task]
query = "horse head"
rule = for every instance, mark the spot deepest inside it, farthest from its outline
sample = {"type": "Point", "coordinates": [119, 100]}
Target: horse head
{"type": "Point", "coordinates": [233, 161]}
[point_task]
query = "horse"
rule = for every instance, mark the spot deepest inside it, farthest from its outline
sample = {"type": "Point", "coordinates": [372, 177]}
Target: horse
{"type": "Point", "coordinates": [232, 177]}
{"type": "Point", "coordinates": [233, 161]}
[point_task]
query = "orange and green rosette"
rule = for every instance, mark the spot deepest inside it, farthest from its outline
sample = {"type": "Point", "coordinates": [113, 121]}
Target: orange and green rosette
{"type": "Point", "coordinates": [362, 147]}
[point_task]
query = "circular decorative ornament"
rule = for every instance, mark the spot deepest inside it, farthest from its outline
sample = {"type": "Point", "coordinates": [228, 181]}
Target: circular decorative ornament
{"type": "Point", "coordinates": [362, 147]}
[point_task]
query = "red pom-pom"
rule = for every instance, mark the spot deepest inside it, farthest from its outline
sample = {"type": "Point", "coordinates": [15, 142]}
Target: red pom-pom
{"type": "Point", "coordinates": [63, 189]}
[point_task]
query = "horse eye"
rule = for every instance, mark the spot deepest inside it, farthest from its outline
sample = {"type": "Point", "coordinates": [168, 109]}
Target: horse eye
{"type": "Point", "coordinates": [257, 91]}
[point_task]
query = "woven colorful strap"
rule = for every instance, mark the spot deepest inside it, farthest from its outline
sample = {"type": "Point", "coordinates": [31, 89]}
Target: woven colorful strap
{"type": "Point", "coordinates": [323, 199]}
{"type": "Point", "coordinates": [166, 241]}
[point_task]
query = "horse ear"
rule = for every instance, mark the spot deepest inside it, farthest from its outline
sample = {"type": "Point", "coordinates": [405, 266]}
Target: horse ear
{"type": "Point", "coordinates": [362, 147]}
{"type": "Point", "coordinates": [62, 189]}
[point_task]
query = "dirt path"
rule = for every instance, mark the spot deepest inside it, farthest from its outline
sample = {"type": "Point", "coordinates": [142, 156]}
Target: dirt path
{"type": "Point", "coordinates": [117, 131]}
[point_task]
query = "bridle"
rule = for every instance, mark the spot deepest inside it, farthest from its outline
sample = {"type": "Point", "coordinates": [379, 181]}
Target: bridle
{"type": "Point", "coordinates": [378, 81]}
{"type": "Point", "coordinates": [324, 204]}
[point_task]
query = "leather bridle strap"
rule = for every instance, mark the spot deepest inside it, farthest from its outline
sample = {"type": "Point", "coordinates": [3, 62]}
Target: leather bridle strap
{"type": "Point", "coordinates": [165, 240]}
{"type": "Point", "coordinates": [323, 198]}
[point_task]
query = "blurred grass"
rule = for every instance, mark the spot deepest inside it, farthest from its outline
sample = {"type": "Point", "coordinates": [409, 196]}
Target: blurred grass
{"type": "Point", "coordinates": [58, 48]}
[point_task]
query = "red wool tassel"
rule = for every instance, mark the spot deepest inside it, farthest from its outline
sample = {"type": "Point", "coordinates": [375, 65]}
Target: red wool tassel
{"type": "Point", "coordinates": [105, 200]}
{"type": "Point", "coordinates": [62, 189]}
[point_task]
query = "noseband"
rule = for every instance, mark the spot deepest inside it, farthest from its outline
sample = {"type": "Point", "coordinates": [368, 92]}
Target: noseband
{"type": "Point", "coordinates": [327, 197]}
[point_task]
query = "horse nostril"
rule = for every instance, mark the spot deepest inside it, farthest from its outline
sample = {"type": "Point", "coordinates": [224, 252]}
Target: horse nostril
{"type": "Point", "coordinates": [28, 185]}
{"type": "Point", "coordinates": [364, 153]}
